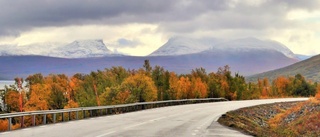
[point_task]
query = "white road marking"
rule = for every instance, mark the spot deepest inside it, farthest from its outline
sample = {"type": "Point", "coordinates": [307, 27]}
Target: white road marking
{"type": "Point", "coordinates": [25, 129]}
{"type": "Point", "coordinates": [146, 122]}
{"type": "Point", "coordinates": [111, 132]}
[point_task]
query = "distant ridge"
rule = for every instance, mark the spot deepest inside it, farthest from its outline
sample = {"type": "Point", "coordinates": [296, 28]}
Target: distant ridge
{"type": "Point", "coordinates": [309, 68]}
{"type": "Point", "coordinates": [181, 46]}
{"type": "Point", "coordinates": [244, 56]}
{"type": "Point", "coordinates": [245, 63]}
{"type": "Point", "coordinates": [76, 49]}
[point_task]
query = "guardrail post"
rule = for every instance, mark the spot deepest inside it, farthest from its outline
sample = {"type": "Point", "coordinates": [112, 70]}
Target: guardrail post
{"type": "Point", "coordinates": [62, 114]}
{"type": "Point", "coordinates": [77, 115]}
{"type": "Point", "coordinates": [54, 117]}
{"type": "Point", "coordinates": [90, 113]}
{"type": "Point", "coordinates": [22, 121]}
{"type": "Point", "coordinates": [34, 120]}
{"type": "Point", "coordinates": [44, 119]}
{"type": "Point", "coordinates": [9, 123]}
{"type": "Point", "coordinates": [84, 113]}
{"type": "Point", "coordinates": [69, 117]}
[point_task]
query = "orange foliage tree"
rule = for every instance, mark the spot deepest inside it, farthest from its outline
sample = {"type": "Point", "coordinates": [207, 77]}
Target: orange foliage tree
{"type": "Point", "coordinates": [199, 88]}
{"type": "Point", "coordinates": [184, 88]}
{"type": "Point", "coordinates": [280, 87]}
{"type": "Point", "coordinates": [12, 99]}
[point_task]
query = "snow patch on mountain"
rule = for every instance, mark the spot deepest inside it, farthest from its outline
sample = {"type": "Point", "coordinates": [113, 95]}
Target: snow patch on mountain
{"type": "Point", "coordinates": [249, 44]}
{"type": "Point", "coordinates": [303, 57]}
{"type": "Point", "coordinates": [76, 49]}
{"type": "Point", "coordinates": [80, 49]}
{"type": "Point", "coordinates": [181, 46]}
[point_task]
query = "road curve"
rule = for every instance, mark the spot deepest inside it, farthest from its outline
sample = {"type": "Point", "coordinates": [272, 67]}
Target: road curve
{"type": "Point", "coordinates": [176, 121]}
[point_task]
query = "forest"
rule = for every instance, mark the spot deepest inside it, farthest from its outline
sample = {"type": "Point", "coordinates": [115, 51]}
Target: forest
{"type": "Point", "coordinates": [118, 85]}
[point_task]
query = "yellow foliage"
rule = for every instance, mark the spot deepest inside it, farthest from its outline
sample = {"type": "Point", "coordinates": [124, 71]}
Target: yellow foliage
{"type": "Point", "coordinates": [38, 98]}
{"type": "Point", "coordinates": [122, 97]}
{"type": "Point", "coordinates": [199, 88]}
{"type": "Point", "coordinates": [141, 86]}
{"type": "Point", "coordinates": [71, 104]}
{"type": "Point", "coordinates": [317, 96]}
{"type": "Point", "coordinates": [184, 88]}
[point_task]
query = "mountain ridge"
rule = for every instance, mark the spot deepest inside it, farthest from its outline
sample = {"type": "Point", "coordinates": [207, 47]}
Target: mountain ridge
{"type": "Point", "coordinates": [182, 46]}
{"type": "Point", "coordinates": [244, 63]}
{"type": "Point", "coordinates": [309, 68]}
{"type": "Point", "coordinates": [75, 49]}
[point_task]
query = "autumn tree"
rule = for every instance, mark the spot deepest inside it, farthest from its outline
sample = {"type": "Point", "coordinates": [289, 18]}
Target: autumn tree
{"type": "Point", "coordinates": [59, 86]}
{"type": "Point", "coordinates": [12, 101]}
{"type": "Point", "coordinates": [264, 88]}
{"type": "Point", "coordinates": [281, 87]}
{"type": "Point", "coordinates": [184, 90]}
{"type": "Point", "coordinates": [141, 87]}
{"type": "Point", "coordinates": [302, 87]}
{"type": "Point", "coordinates": [200, 73]}
{"type": "Point", "coordinates": [147, 67]}
{"type": "Point", "coordinates": [39, 97]}
{"type": "Point", "coordinates": [173, 85]}
{"type": "Point", "coordinates": [161, 80]}
{"type": "Point", "coordinates": [199, 88]}
{"type": "Point", "coordinates": [214, 86]}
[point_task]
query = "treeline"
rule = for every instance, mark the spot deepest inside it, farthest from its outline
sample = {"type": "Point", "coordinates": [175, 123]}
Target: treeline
{"type": "Point", "coordinates": [118, 85]}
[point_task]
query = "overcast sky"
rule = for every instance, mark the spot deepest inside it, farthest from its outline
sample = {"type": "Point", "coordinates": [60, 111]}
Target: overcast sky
{"type": "Point", "coordinates": [138, 27]}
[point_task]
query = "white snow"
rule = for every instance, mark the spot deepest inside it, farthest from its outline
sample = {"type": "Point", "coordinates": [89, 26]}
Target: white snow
{"type": "Point", "coordinates": [76, 49]}
{"type": "Point", "coordinates": [253, 43]}
{"type": "Point", "coordinates": [181, 46]}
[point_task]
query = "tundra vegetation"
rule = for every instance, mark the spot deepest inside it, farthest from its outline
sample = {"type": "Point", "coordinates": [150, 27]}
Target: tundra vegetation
{"type": "Point", "coordinates": [290, 119]}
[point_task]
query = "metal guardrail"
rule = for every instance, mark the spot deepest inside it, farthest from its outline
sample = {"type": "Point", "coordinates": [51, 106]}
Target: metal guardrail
{"type": "Point", "coordinates": [87, 112]}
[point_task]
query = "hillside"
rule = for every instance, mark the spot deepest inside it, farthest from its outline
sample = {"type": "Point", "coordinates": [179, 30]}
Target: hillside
{"type": "Point", "coordinates": [309, 68]}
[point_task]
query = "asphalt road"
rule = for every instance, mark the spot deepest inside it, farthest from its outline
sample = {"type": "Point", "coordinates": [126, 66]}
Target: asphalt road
{"type": "Point", "coordinates": [176, 121]}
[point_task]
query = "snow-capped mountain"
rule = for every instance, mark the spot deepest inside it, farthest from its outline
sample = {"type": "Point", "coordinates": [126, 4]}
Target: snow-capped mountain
{"type": "Point", "coordinates": [81, 49]}
{"type": "Point", "coordinates": [76, 49]}
{"type": "Point", "coordinates": [253, 44]}
{"type": "Point", "coordinates": [181, 46]}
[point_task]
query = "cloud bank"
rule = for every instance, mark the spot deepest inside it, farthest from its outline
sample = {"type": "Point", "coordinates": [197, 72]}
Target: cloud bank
{"type": "Point", "coordinates": [292, 22]}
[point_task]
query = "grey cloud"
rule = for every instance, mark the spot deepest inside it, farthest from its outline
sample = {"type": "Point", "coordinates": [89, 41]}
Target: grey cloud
{"type": "Point", "coordinates": [174, 16]}
{"type": "Point", "coordinates": [127, 43]}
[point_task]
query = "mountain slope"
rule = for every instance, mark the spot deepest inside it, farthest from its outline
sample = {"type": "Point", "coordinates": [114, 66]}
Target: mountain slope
{"type": "Point", "coordinates": [182, 46]}
{"type": "Point", "coordinates": [76, 49]}
{"type": "Point", "coordinates": [248, 44]}
{"type": "Point", "coordinates": [309, 68]}
{"type": "Point", "coordinates": [82, 49]}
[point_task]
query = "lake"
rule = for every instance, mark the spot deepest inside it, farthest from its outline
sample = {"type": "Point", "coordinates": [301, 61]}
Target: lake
{"type": "Point", "coordinates": [6, 82]}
